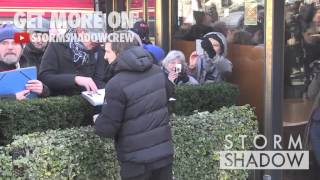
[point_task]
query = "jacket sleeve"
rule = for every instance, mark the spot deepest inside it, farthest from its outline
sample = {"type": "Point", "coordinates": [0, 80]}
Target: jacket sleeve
{"type": "Point", "coordinates": [224, 65]}
{"type": "Point", "coordinates": [49, 71]}
{"type": "Point", "coordinates": [45, 92]}
{"type": "Point", "coordinates": [100, 71]}
{"type": "Point", "coordinates": [170, 89]}
{"type": "Point", "coordinates": [109, 120]}
{"type": "Point", "coordinates": [314, 88]}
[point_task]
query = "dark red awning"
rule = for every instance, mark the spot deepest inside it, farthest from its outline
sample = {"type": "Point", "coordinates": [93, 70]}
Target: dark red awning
{"type": "Point", "coordinates": [9, 7]}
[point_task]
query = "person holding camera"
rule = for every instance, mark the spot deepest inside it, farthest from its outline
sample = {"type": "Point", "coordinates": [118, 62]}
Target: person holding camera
{"type": "Point", "coordinates": [175, 67]}
{"type": "Point", "coordinates": [313, 93]}
{"type": "Point", "coordinates": [211, 65]}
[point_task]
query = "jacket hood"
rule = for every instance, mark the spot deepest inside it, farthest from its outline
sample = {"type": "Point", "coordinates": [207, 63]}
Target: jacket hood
{"type": "Point", "coordinates": [135, 59]}
{"type": "Point", "coordinates": [222, 39]}
{"type": "Point", "coordinates": [155, 51]}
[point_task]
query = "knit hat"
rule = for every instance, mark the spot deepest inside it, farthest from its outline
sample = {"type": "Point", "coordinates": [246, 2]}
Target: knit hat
{"type": "Point", "coordinates": [142, 29]}
{"type": "Point", "coordinates": [155, 51]}
{"type": "Point", "coordinates": [7, 31]}
{"type": "Point", "coordinates": [44, 25]}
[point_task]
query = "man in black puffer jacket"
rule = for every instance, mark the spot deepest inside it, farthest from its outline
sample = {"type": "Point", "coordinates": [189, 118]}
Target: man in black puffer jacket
{"type": "Point", "coordinates": [135, 113]}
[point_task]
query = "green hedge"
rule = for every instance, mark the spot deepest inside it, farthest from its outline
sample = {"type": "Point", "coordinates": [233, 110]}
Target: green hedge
{"type": "Point", "coordinates": [199, 138]}
{"type": "Point", "coordinates": [79, 154]}
{"type": "Point", "coordinates": [65, 154]}
{"type": "Point", "coordinates": [207, 97]}
{"type": "Point", "coordinates": [22, 117]}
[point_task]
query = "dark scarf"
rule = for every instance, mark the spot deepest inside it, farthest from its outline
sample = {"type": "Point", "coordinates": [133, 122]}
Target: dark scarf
{"type": "Point", "coordinates": [6, 67]}
{"type": "Point", "coordinates": [109, 72]}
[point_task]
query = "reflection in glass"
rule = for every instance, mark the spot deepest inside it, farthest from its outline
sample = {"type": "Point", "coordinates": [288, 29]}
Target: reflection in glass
{"type": "Point", "coordinates": [151, 17]}
{"type": "Point", "coordinates": [242, 22]}
{"type": "Point", "coordinates": [136, 7]}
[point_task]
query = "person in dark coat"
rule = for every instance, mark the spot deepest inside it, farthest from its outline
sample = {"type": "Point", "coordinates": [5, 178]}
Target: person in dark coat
{"type": "Point", "coordinates": [313, 127]}
{"type": "Point", "coordinates": [135, 113]}
{"type": "Point", "coordinates": [312, 67]}
{"type": "Point", "coordinates": [10, 54]}
{"type": "Point", "coordinates": [34, 50]}
{"type": "Point", "coordinates": [68, 68]}
{"type": "Point", "coordinates": [141, 28]}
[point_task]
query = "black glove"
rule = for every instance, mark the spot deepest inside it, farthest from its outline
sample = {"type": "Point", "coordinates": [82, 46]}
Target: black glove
{"type": "Point", "coordinates": [207, 47]}
{"type": "Point", "coordinates": [182, 77]}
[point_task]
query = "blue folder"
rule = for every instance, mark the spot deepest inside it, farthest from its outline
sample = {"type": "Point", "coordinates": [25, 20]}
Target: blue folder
{"type": "Point", "coordinates": [14, 81]}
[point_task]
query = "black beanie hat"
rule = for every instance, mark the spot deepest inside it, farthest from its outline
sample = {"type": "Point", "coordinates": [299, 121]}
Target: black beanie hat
{"type": "Point", "coordinates": [142, 29]}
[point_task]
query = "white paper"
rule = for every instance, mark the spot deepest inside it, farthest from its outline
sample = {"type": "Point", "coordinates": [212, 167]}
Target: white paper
{"type": "Point", "coordinates": [96, 99]}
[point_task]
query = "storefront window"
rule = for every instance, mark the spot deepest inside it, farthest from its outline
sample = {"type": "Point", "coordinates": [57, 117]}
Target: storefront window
{"type": "Point", "coordinates": [136, 7]}
{"type": "Point", "coordinates": [144, 10]}
{"type": "Point", "coordinates": [151, 17]}
{"type": "Point", "coordinates": [302, 54]}
{"type": "Point", "coordinates": [242, 21]}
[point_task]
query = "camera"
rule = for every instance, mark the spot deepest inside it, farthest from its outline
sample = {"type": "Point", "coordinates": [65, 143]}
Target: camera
{"type": "Point", "coordinates": [178, 68]}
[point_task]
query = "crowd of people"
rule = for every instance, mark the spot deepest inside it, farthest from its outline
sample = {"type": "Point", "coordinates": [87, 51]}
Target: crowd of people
{"type": "Point", "coordinates": [238, 33]}
{"type": "Point", "coordinates": [138, 77]}
{"type": "Point", "coordinates": [67, 68]}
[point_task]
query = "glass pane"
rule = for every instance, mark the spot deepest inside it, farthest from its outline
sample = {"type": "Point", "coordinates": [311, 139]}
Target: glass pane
{"type": "Point", "coordinates": [302, 23]}
{"type": "Point", "coordinates": [241, 21]}
{"type": "Point", "coordinates": [151, 17]}
{"type": "Point", "coordinates": [136, 7]}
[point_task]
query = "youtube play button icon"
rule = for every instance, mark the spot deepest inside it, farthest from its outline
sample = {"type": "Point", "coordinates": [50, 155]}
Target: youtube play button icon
{"type": "Point", "coordinates": [21, 37]}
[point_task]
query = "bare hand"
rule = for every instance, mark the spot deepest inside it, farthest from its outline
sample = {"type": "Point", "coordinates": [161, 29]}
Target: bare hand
{"type": "Point", "coordinates": [86, 82]}
{"type": "Point", "coordinates": [193, 60]}
{"type": "Point", "coordinates": [35, 86]}
{"type": "Point", "coordinates": [22, 95]}
{"type": "Point", "coordinates": [172, 76]}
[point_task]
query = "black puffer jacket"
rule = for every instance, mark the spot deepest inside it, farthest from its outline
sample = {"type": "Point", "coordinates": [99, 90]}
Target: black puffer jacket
{"type": "Point", "coordinates": [135, 112]}
{"type": "Point", "coordinates": [58, 71]}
